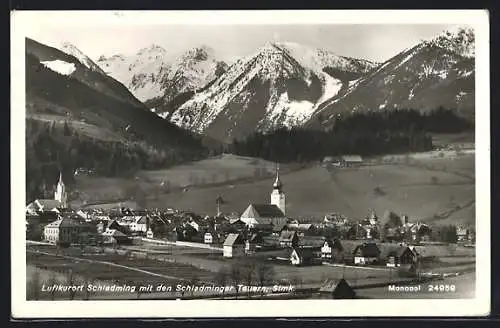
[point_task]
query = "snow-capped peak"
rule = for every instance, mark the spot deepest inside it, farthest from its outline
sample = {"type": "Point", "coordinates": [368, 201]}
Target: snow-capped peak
{"type": "Point", "coordinates": [152, 49]}
{"type": "Point", "coordinates": [72, 50]}
{"type": "Point", "coordinates": [284, 82]}
{"type": "Point", "coordinates": [459, 39]}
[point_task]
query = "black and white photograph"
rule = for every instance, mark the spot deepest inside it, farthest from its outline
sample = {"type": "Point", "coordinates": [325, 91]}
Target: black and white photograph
{"type": "Point", "coordinates": [212, 158]}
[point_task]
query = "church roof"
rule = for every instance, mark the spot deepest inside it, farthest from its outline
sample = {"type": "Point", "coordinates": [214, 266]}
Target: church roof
{"type": "Point", "coordinates": [263, 211]}
{"type": "Point", "coordinates": [47, 204]}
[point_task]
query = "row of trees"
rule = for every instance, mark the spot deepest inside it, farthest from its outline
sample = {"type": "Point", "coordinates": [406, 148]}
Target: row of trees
{"type": "Point", "coordinates": [368, 133]}
{"type": "Point", "coordinates": [246, 272]}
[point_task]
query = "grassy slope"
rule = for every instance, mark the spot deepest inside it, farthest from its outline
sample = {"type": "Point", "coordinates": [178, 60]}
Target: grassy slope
{"type": "Point", "coordinates": [315, 191]}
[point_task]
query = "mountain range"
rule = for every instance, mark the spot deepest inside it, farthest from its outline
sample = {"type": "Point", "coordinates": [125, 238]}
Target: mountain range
{"type": "Point", "coordinates": [281, 84]}
{"type": "Point", "coordinates": [64, 85]}
{"type": "Point", "coordinates": [156, 76]}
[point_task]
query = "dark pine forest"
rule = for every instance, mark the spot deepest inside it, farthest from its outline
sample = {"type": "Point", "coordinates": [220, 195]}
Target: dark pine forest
{"type": "Point", "coordinates": [369, 133]}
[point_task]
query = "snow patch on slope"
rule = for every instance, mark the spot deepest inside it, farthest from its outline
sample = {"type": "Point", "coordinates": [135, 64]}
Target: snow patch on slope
{"type": "Point", "coordinates": [332, 87]}
{"type": "Point", "coordinates": [60, 66]}
{"type": "Point", "coordinates": [289, 113]}
{"type": "Point", "coordinates": [70, 49]}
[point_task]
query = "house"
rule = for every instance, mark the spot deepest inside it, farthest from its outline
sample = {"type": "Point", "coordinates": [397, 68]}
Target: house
{"type": "Point", "coordinates": [394, 234]}
{"type": "Point", "coordinates": [316, 242]}
{"type": "Point", "coordinates": [149, 233]}
{"type": "Point", "coordinates": [346, 160]}
{"type": "Point", "coordinates": [264, 228]}
{"type": "Point", "coordinates": [84, 214]}
{"type": "Point", "coordinates": [301, 256]}
{"type": "Point", "coordinates": [234, 246]}
{"type": "Point", "coordinates": [208, 238]}
{"type": "Point", "coordinates": [288, 239]}
{"type": "Point", "coordinates": [43, 205]}
{"type": "Point", "coordinates": [278, 228]}
{"type": "Point", "coordinates": [65, 231]}
{"type": "Point", "coordinates": [462, 233]}
{"type": "Point", "coordinates": [417, 232]}
{"type": "Point", "coordinates": [332, 250]}
{"type": "Point", "coordinates": [237, 225]}
{"type": "Point", "coordinates": [185, 233]}
{"type": "Point", "coordinates": [339, 289]}
{"type": "Point", "coordinates": [90, 238]}
{"type": "Point", "coordinates": [35, 224]}
{"type": "Point", "coordinates": [196, 225]}
{"type": "Point", "coordinates": [343, 290]}
{"type": "Point", "coordinates": [140, 224]}
{"type": "Point", "coordinates": [373, 219]}
{"type": "Point", "coordinates": [112, 236]}
{"type": "Point", "coordinates": [351, 160]}
{"type": "Point", "coordinates": [335, 218]}
{"type": "Point", "coordinates": [252, 242]}
{"type": "Point", "coordinates": [401, 256]}
{"type": "Point", "coordinates": [303, 229]}
{"type": "Point", "coordinates": [256, 214]}
{"type": "Point", "coordinates": [111, 224]}
{"type": "Point", "coordinates": [366, 253]}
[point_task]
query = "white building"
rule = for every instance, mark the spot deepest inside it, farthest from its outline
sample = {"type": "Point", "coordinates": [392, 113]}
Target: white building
{"type": "Point", "coordinates": [139, 224]}
{"type": "Point", "coordinates": [208, 238]}
{"type": "Point", "coordinates": [234, 246]}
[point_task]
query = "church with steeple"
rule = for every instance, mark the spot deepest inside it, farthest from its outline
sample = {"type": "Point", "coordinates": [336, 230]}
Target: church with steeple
{"type": "Point", "coordinates": [61, 193]}
{"type": "Point", "coordinates": [277, 195]}
{"type": "Point", "coordinates": [259, 215]}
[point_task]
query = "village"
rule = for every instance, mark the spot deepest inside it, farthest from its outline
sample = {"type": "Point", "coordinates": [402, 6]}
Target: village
{"type": "Point", "coordinates": [261, 234]}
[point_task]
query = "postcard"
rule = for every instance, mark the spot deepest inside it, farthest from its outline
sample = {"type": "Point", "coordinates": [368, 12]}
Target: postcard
{"type": "Point", "coordinates": [273, 163]}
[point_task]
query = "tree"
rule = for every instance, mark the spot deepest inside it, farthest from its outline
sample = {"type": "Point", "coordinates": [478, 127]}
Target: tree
{"type": "Point", "coordinates": [265, 275]}
{"type": "Point", "coordinates": [193, 281]}
{"type": "Point", "coordinates": [52, 282]}
{"type": "Point", "coordinates": [247, 272]}
{"type": "Point", "coordinates": [88, 282]}
{"type": "Point", "coordinates": [236, 276]}
{"type": "Point", "coordinates": [71, 281]}
{"type": "Point", "coordinates": [33, 288]}
{"type": "Point", "coordinates": [222, 277]}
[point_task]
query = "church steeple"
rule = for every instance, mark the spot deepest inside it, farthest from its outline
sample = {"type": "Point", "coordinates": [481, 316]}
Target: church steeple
{"type": "Point", "coordinates": [277, 182]}
{"type": "Point", "coordinates": [277, 195]}
{"type": "Point", "coordinates": [61, 194]}
{"type": "Point", "coordinates": [60, 179]}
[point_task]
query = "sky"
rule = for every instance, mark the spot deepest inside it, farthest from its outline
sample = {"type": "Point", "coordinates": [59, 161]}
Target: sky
{"type": "Point", "coordinates": [373, 42]}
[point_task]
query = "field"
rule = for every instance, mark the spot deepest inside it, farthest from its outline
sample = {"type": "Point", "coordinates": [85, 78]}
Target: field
{"type": "Point", "coordinates": [452, 259]}
{"type": "Point", "coordinates": [227, 170]}
{"type": "Point", "coordinates": [426, 188]}
{"type": "Point", "coordinates": [142, 265]}
{"type": "Point", "coordinates": [313, 192]}
{"type": "Point", "coordinates": [91, 268]}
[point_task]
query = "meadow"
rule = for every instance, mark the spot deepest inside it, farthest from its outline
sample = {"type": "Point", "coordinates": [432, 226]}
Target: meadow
{"type": "Point", "coordinates": [434, 189]}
